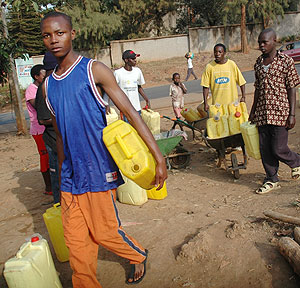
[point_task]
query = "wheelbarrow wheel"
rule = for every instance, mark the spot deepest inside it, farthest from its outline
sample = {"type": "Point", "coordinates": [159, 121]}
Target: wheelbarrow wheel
{"type": "Point", "coordinates": [235, 165]}
{"type": "Point", "coordinates": [180, 161]}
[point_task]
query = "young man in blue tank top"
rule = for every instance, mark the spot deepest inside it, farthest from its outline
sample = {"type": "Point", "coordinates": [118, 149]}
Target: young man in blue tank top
{"type": "Point", "coordinates": [89, 176]}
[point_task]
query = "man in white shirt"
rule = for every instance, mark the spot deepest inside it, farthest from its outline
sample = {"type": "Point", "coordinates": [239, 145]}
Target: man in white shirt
{"type": "Point", "coordinates": [130, 79]}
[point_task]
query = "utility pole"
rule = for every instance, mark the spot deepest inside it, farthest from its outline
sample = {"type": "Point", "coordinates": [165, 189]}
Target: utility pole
{"type": "Point", "coordinates": [14, 83]}
{"type": "Point", "coordinates": [188, 32]}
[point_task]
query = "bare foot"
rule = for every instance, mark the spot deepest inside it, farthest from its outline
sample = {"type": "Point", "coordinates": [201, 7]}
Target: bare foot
{"type": "Point", "coordinates": [139, 272]}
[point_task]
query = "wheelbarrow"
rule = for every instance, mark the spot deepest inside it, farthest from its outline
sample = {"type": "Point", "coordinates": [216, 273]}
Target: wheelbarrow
{"type": "Point", "coordinates": [176, 156]}
{"type": "Point", "coordinates": [232, 141]}
{"type": "Point", "coordinates": [198, 125]}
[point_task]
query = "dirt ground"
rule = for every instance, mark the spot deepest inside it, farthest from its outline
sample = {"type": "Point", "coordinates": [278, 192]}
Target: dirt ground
{"type": "Point", "coordinates": [209, 232]}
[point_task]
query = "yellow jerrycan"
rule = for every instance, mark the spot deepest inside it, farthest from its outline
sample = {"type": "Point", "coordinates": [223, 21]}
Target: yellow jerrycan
{"type": "Point", "coordinates": [112, 116]}
{"type": "Point", "coordinates": [152, 120]}
{"type": "Point", "coordinates": [217, 127]}
{"type": "Point", "coordinates": [190, 115]}
{"type": "Point", "coordinates": [131, 193]}
{"type": "Point", "coordinates": [32, 267]}
{"type": "Point", "coordinates": [201, 110]}
{"type": "Point", "coordinates": [130, 153]}
{"type": "Point", "coordinates": [251, 139]}
{"type": "Point", "coordinates": [157, 194]}
{"type": "Point", "coordinates": [53, 221]}
{"type": "Point", "coordinates": [237, 107]}
{"type": "Point", "coordinates": [238, 114]}
{"type": "Point", "coordinates": [218, 109]}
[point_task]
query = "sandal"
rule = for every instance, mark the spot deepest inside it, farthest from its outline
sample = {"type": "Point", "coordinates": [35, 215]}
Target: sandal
{"type": "Point", "coordinates": [267, 187]}
{"type": "Point", "coordinates": [132, 271]}
{"type": "Point", "coordinates": [48, 193]}
{"type": "Point", "coordinates": [295, 173]}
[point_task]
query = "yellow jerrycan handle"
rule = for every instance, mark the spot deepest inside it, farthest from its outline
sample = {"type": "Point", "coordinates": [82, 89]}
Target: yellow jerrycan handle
{"type": "Point", "coordinates": [123, 147]}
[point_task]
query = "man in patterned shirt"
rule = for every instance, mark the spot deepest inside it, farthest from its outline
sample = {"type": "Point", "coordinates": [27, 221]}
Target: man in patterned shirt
{"type": "Point", "coordinates": [273, 109]}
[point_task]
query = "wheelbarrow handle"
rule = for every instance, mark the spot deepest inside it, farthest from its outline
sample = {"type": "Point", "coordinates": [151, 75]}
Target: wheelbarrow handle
{"type": "Point", "coordinates": [178, 121]}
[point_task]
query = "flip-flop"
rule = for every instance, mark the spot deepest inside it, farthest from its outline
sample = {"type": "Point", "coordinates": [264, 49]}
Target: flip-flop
{"type": "Point", "coordinates": [132, 271]}
{"type": "Point", "coordinates": [48, 193]}
{"type": "Point", "coordinates": [267, 187]}
{"type": "Point", "coordinates": [295, 173]}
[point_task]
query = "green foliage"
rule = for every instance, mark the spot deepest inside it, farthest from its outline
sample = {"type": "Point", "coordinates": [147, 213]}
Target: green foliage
{"type": "Point", "coordinates": [195, 13]}
{"type": "Point", "coordinates": [95, 22]}
{"type": "Point", "coordinates": [256, 10]}
{"type": "Point", "coordinates": [290, 38]}
{"type": "Point", "coordinates": [140, 17]}
{"type": "Point", "coordinates": [24, 27]}
{"type": "Point", "coordinates": [292, 5]}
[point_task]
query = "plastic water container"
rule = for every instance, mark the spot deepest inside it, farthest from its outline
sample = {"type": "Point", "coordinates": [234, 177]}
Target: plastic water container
{"type": "Point", "coordinates": [190, 114]}
{"type": "Point", "coordinates": [251, 139]}
{"type": "Point", "coordinates": [32, 267]}
{"type": "Point", "coordinates": [235, 121]}
{"type": "Point", "coordinates": [157, 194]}
{"type": "Point", "coordinates": [131, 193]}
{"type": "Point", "coordinates": [53, 221]}
{"type": "Point", "coordinates": [152, 120]}
{"type": "Point", "coordinates": [112, 116]}
{"type": "Point", "coordinates": [201, 110]}
{"type": "Point", "coordinates": [217, 127]}
{"type": "Point", "coordinates": [216, 109]}
{"type": "Point", "coordinates": [130, 153]}
{"type": "Point", "coordinates": [237, 107]}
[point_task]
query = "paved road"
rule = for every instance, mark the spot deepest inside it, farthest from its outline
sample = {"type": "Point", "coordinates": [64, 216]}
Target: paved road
{"type": "Point", "coordinates": [7, 120]}
{"type": "Point", "coordinates": [194, 86]}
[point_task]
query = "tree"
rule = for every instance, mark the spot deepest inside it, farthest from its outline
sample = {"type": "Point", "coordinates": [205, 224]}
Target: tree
{"type": "Point", "coordinates": [266, 10]}
{"type": "Point", "coordinates": [24, 26]}
{"type": "Point", "coordinates": [140, 17]}
{"type": "Point", "coordinates": [12, 78]}
{"type": "Point", "coordinates": [96, 23]}
{"type": "Point", "coordinates": [194, 13]}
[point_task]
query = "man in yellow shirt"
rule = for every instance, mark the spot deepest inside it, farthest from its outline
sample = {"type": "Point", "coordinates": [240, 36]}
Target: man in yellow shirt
{"type": "Point", "coordinates": [221, 76]}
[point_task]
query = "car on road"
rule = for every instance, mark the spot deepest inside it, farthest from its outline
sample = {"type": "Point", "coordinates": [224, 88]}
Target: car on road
{"type": "Point", "coordinates": [292, 49]}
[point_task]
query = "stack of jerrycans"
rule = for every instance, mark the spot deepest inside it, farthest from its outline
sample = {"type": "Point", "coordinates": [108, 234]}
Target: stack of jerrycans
{"type": "Point", "coordinates": [152, 120]}
{"type": "Point", "coordinates": [238, 114]}
{"type": "Point", "coordinates": [190, 114]}
{"type": "Point", "coordinates": [32, 267]}
{"type": "Point", "coordinates": [53, 221]}
{"type": "Point", "coordinates": [217, 124]}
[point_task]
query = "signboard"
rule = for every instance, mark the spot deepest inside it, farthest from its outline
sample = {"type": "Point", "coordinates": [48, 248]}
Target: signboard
{"type": "Point", "coordinates": [23, 68]}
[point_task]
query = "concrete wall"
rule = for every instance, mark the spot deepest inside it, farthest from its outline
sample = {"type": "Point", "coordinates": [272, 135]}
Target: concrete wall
{"type": "Point", "coordinates": [289, 25]}
{"type": "Point", "coordinates": [103, 55]}
{"type": "Point", "coordinates": [203, 39]}
{"type": "Point", "coordinates": [151, 49]}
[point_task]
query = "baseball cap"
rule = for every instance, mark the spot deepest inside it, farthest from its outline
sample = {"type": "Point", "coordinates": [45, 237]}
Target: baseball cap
{"type": "Point", "coordinates": [49, 61]}
{"type": "Point", "coordinates": [129, 54]}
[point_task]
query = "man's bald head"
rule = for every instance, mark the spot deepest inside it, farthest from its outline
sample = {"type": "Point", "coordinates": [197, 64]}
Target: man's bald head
{"type": "Point", "coordinates": [267, 42]}
{"type": "Point", "coordinates": [269, 32]}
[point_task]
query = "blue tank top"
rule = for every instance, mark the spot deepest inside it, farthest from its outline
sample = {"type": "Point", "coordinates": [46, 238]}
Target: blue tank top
{"type": "Point", "coordinates": [80, 115]}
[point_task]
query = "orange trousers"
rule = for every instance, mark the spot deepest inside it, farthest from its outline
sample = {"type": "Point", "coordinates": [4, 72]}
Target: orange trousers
{"type": "Point", "coordinates": [91, 219]}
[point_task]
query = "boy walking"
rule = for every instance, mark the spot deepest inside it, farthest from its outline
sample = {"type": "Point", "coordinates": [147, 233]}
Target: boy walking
{"type": "Point", "coordinates": [273, 109]}
{"type": "Point", "coordinates": [130, 79]}
{"type": "Point", "coordinates": [88, 173]}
